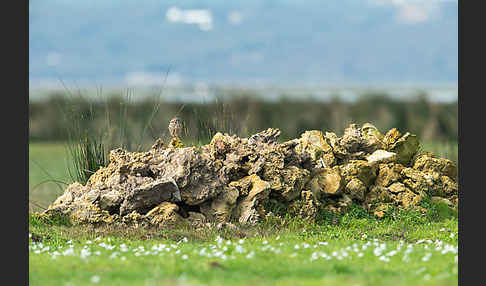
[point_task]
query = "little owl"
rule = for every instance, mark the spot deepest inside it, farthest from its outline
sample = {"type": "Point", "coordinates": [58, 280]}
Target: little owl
{"type": "Point", "coordinates": [175, 127]}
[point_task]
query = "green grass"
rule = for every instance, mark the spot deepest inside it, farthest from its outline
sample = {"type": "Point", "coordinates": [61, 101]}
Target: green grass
{"type": "Point", "coordinates": [358, 251]}
{"type": "Point", "coordinates": [48, 172]}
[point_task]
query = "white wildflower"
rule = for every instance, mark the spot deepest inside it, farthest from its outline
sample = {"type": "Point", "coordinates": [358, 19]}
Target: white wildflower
{"type": "Point", "coordinates": [95, 279]}
{"type": "Point", "coordinates": [114, 255]}
{"type": "Point", "coordinates": [426, 257]}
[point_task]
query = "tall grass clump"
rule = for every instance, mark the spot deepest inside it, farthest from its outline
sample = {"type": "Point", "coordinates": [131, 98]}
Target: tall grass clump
{"type": "Point", "coordinates": [91, 135]}
{"type": "Point", "coordinates": [88, 155]}
{"type": "Point", "coordinates": [86, 145]}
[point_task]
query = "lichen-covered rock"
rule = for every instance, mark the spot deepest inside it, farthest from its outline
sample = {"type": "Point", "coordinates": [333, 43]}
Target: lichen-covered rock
{"type": "Point", "coordinates": [407, 198]}
{"type": "Point", "coordinates": [417, 181]}
{"type": "Point", "coordinates": [381, 156]}
{"type": "Point", "coordinates": [111, 201]}
{"type": "Point", "coordinates": [344, 203]}
{"type": "Point", "coordinates": [320, 152]}
{"type": "Point", "coordinates": [377, 194]}
{"type": "Point", "coordinates": [220, 208]}
{"type": "Point", "coordinates": [134, 218]}
{"type": "Point", "coordinates": [352, 139]}
{"type": "Point", "coordinates": [164, 214]}
{"type": "Point", "coordinates": [355, 189]}
{"type": "Point", "coordinates": [194, 173]}
{"type": "Point", "coordinates": [196, 219]}
{"type": "Point", "coordinates": [360, 169]}
{"type": "Point", "coordinates": [391, 137]}
{"type": "Point", "coordinates": [430, 183]}
{"type": "Point", "coordinates": [372, 138]}
{"type": "Point", "coordinates": [250, 208]}
{"type": "Point", "coordinates": [175, 142]}
{"type": "Point", "coordinates": [405, 147]}
{"type": "Point", "coordinates": [338, 150]}
{"type": "Point", "coordinates": [148, 195]}
{"type": "Point", "coordinates": [397, 187]}
{"type": "Point", "coordinates": [426, 162]}
{"type": "Point", "coordinates": [388, 174]}
{"type": "Point", "coordinates": [73, 191]}
{"type": "Point", "coordinates": [86, 212]}
{"type": "Point", "coordinates": [326, 182]}
{"type": "Point", "coordinates": [307, 207]}
{"type": "Point", "coordinates": [293, 179]}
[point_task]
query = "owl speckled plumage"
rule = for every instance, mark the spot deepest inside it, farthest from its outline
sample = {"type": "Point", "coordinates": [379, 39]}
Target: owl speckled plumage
{"type": "Point", "coordinates": [175, 127]}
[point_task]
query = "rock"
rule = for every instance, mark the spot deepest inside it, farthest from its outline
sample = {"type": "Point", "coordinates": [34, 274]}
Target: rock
{"type": "Point", "coordinates": [111, 201]}
{"type": "Point", "coordinates": [307, 207]}
{"type": "Point", "coordinates": [427, 163]}
{"type": "Point", "coordinates": [338, 150]}
{"type": "Point", "coordinates": [418, 182]}
{"type": "Point", "coordinates": [145, 197]}
{"type": "Point", "coordinates": [250, 208]}
{"type": "Point", "coordinates": [196, 219]}
{"type": "Point", "coordinates": [381, 156]}
{"type": "Point", "coordinates": [352, 139]}
{"type": "Point", "coordinates": [293, 180]}
{"type": "Point", "coordinates": [320, 152]}
{"type": "Point", "coordinates": [360, 169]}
{"type": "Point", "coordinates": [86, 212]}
{"type": "Point", "coordinates": [355, 189]}
{"type": "Point", "coordinates": [372, 138]}
{"type": "Point", "coordinates": [408, 198]}
{"type": "Point", "coordinates": [220, 208]}
{"type": "Point", "coordinates": [344, 203]}
{"type": "Point", "coordinates": [326, 182]}
{"type": "Point", "coordinates": [158, 146]}
{"type": "Point", "coordinates": [388, 174]}
{"type": "Point", "coordinates": [175, 142]}
{"type": "Point", "coordinates": [192, 172]}
{"type": "Point", "coordinates": [72, 192]}
{"type": "Point", "coordinates": [380, 210]}
{"type": "Point", "coordinates": [446, 188]}
{"type": "Point", "coordinates": [405, 147]}
{"type": "Point", "coordinates": [378, 194]}
{"type": "Point", "coordinates": [397, 188]}
{"type": "Point", "coordinates": [391, 137]}
{"type": "Point", "coordinates": [164, 214]}
{"type": "Point", "coordinates": [133, 218]}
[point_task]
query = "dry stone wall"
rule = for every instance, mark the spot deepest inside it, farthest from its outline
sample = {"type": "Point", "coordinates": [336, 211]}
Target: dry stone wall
{"type": "Point", "coordinates": [234, 179]}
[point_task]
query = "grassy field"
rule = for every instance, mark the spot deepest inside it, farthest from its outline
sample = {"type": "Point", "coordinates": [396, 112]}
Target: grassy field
{"type": "Point", "coordinates": [404, 248]}
{"type": "Point", "coordinates": [48, 172]}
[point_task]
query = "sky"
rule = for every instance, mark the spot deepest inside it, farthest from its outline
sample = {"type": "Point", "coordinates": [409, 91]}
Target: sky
{"type": "Point", "coordinates": [144, 43]}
